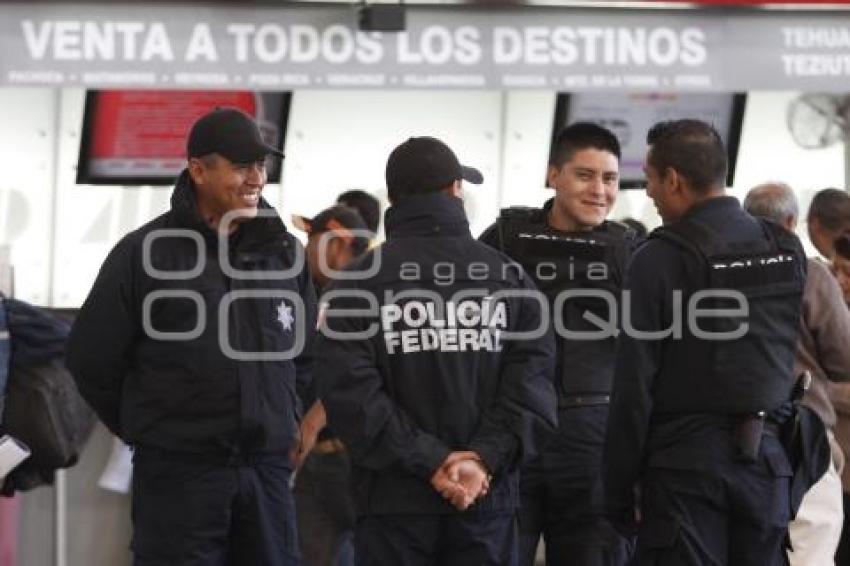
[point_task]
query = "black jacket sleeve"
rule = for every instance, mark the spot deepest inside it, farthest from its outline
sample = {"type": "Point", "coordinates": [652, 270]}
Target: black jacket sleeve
{"type": "Point", "coordinates": [104, 333]}
{"type": "Point", "coordinates": [638, 362]}
{"type": "Point", "coordinates": [524, 412]}
{"type": "Point", "coordinates": [304, 362]}
{"type": "Point", "coordinates": [490, 236]}
{"type": "Point", "coordinates": [379, 434]}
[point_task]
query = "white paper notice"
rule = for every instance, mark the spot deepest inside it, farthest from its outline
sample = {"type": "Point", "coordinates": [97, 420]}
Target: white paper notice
{"type": "Point", "coordinates": [12, 453]}
{"type": "Point", "coordinates": [118, 472]}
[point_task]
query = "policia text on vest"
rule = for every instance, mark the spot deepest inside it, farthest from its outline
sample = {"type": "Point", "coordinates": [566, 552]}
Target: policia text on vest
{"type": "Point", "coordinates": [467, 326]}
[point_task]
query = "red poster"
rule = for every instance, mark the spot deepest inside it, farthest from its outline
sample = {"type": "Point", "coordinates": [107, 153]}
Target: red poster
{"type": "Point", "coordinates": [141, 134]}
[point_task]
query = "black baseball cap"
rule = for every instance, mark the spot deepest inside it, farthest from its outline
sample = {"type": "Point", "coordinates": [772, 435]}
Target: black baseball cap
{"type": "Point", "coordinates": [423, 165]}
{"type": "Point", "coordinates": [231, 133]}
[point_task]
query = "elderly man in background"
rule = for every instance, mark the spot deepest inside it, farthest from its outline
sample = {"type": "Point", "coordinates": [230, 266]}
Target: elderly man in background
{"type": "Point", "coordinates": [822, 349]}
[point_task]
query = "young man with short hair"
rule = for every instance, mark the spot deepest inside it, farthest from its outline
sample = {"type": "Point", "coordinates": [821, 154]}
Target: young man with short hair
{"type": "Point", "coordinates": [567, 246]}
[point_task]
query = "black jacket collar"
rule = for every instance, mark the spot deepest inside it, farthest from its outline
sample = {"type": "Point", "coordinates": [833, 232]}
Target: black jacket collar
{"type": "Point", "coordinates": [436, 214]}
{"type": "Point", "coordinates": [255, 233]}
{"type": "Point", "coordinates": [712, 206]}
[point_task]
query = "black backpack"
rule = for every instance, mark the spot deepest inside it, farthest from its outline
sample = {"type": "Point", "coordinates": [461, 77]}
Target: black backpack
{"type": "Point", "coordinates": [42, 407]}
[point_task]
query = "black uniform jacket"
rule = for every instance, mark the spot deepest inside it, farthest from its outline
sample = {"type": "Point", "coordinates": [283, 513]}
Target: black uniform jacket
{"type": "Point", "coordinates": [641, 432]}
{"type": "Point", "coordinates": [420, 381]}
{"type": "Point", "coordinates": [188, 346]}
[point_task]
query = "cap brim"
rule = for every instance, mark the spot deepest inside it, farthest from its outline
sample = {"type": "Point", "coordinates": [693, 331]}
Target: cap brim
{"type": "Point", "coordinates": [251, 154]}
{"type": "Point", "coordinates": [302, 223]}
{"type": "Point", "coordinates": [273, 151]}
{"type": "Point", "coordinates": [471, 174]}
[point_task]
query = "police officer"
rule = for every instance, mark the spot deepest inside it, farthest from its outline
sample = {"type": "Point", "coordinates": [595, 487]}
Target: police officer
{"type": "Point", "coordinates": [703, 363]}
{"type": "Point", "coordinates": [184, 348]}
{"type": "Point", "coordinates": [568, 247]}
{"type": "Point", "coordinates": [436, 371]}
{"type": "Point", "coordinates": [325, 509]}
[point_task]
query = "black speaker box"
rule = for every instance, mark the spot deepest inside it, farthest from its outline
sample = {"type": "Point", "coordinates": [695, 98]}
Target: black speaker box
{"type": "Point", "coordinates": [382, 17]}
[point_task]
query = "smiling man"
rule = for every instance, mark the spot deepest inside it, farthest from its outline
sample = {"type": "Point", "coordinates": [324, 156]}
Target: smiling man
{"type": "Point", "coordinates": [568, 246]}
{"type": "Point", "coordinates": [227, 166]}
{"type": "Point", "coordinates": [187, 355]}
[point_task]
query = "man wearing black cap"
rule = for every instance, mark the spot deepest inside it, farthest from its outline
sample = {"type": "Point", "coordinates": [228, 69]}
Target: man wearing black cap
{"type": "Point", "coordinates": [325, 509]}
{"type": "Point", "coordinates": [186, 347]}
{"type": "Point", "coordinates": [436, 371]}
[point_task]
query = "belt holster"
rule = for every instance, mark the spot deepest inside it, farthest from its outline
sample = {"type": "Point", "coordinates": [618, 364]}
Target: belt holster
{"type": "Point", "coordinates": [748, 433]}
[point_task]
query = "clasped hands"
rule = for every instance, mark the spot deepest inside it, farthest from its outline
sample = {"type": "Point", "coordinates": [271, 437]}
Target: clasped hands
{"type": "Point", "coordinates": [462, 479]}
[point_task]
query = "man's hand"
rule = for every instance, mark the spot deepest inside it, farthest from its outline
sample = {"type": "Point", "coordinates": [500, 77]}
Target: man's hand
{"type": "Point", "coordinates": [312, 423]}
{"type": "Point", "coordinates": [446, 487]}
{"type": "Point", "coordinates": [462, 479]}
{"type": "Point", "coordinates": [471, 475]}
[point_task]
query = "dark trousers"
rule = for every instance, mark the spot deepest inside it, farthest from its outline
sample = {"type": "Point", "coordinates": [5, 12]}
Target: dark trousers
{"type": "Point", "coordinates": [208, 514]}
{"type": "Point", "coordinates": [562, 500]}
{"type": "Point", "coordinates": [325, 508]}
{"type": "Point", "coordinates": [731, 514]}
{"type": "Point", "coordinates": [479, 538]}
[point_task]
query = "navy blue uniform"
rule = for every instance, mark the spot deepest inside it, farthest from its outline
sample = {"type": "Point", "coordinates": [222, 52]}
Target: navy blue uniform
{"type": "Point", "coordinates": [562, 489]}
{"type": "Point", "coordinates": [436, 372]}
{"type": "Point", "coordinates": [684, 410]}
{"type": "Point", "coordinates": [324, 507]}
{"type": "Point", "coordinates": [212, 415]}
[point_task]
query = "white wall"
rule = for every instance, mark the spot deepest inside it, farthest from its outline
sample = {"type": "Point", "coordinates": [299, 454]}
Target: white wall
{"type": "Point", "coordinates": [529, 116]}
{"type": "Point", "coordinates": [27, 156]}
{"type": "Point", "coordinates": [340, 140]}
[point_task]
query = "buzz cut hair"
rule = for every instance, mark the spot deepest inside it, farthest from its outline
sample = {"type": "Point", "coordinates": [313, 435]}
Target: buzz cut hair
{"type": "Point", "coordinates": [692, 148]}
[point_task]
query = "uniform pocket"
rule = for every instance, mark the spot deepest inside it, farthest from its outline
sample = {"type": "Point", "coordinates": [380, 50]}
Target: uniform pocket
{"type": "Point", "coordinates": [660, 543]}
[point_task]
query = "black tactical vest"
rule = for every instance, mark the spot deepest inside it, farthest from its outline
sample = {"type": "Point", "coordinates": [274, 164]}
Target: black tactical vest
{"type": "Point", "coordinates": [569, 268]}
{"type": "Point", "coordinates": [752, 372]}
